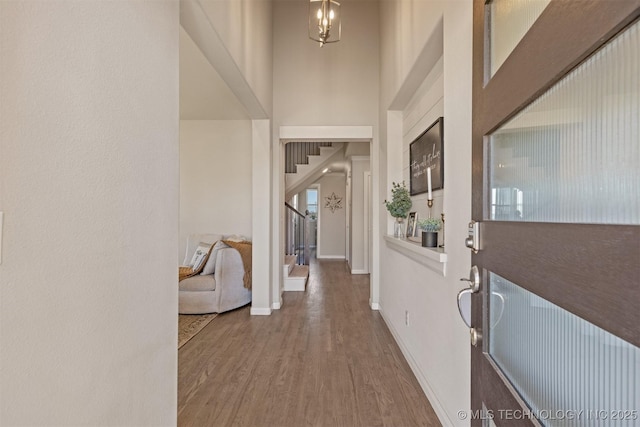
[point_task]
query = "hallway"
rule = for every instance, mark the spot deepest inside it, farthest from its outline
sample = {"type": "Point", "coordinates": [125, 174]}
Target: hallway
{"type": "Point", "coordinates": [324, 359]}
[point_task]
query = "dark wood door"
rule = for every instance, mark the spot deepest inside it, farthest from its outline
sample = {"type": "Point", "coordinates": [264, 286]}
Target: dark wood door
{"type": "Point", "coordinates": [577, 267]}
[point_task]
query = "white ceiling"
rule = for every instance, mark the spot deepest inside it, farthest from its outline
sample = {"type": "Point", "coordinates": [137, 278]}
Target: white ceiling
{"type": "Point", "coordinates": [203, 93]}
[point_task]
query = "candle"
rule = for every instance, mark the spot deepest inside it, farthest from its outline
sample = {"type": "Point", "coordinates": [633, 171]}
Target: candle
{"type": "Point", "coordinates": [429, 195]}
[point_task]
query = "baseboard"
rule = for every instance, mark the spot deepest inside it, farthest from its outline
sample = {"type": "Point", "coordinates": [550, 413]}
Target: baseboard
{"type": "Point", "coordinates": [260, 311]}
{"type": "Point", "coordinates": [330, 256]}
{"type": "Point", "coordinates": [276, 305]}
{"type": "Point", "coordinates": [359, 272]}
{"type": "Point", "coordinates": [422, 380]}
{"type": "Point", "coordinates": [374, 306]}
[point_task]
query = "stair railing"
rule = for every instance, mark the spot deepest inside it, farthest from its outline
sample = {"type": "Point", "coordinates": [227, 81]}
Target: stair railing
{"type": "Point", "coordinates": [297, 242]}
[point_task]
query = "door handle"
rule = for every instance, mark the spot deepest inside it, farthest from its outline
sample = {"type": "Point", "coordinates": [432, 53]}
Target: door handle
{"type": "Point", "coordinates": [464, 306]}
{"type": "Point", "coordinates": [464, 303]}
{"type": "Point", "coordinates": [474, 279]}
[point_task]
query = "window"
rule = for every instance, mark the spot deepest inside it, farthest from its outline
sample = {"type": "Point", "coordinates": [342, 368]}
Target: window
{"type": "Point", "coordinates": [312, 202]}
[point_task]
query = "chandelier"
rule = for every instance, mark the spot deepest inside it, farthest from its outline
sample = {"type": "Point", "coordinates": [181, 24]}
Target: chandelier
{"type": "Point", "coordinates": [324, 21]}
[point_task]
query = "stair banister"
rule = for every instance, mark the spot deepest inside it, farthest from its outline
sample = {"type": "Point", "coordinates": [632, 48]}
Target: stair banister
{"type": "Point", "coordinates": [296, 235]}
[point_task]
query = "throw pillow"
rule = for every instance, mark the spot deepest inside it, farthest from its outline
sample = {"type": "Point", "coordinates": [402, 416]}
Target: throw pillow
{"type": "Point", "coordinates": [210, 266]}
{"type": "Point", "coordinates": [199, 257]}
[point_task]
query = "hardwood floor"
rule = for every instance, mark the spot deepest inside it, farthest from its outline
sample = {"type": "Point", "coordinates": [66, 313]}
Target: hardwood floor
{"type": "Point", "coordinates": [324, 359]}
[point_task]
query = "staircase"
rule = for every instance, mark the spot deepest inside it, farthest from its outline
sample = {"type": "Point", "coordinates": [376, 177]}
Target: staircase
{"type": "Point", "coordinates": [304, 165]}
{"type": "Point", "coordinates": [295, 270]}
{"type": "Point", "coordinates": [295, 276]}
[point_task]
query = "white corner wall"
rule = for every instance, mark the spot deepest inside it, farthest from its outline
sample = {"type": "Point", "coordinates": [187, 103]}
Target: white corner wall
{"type": "Point", "coordinates": [359, 165]}
{"type": "Point", "coordinates": [89, 191]}
{"type": "Point", "coordinates": [245, 29]}
{"type": "Point", "coordinates": [215, 178]}
{"type": "Point", "coordinates": [436, 342]}
{"type": "Point", "coordinates": [332, 225]}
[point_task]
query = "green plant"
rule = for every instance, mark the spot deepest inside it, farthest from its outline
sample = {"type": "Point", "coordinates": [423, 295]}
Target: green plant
{"type": "Point", "coordinates": [400, 202]}
{"type": "Point", "coordinates": [430, 224]}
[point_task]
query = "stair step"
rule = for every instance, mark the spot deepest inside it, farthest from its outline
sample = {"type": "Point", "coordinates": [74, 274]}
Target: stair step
{"type": "Point", "coordinates": [300, 271]}
{"type": "Point", "coordinates": [297, 280]}
{"type": "Point", "coordinates": [289, 263]}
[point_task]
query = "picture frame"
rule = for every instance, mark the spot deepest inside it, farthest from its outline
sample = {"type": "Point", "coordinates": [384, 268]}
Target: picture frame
{"type": "Point", "coordinates": [412, 221]}
{"type": "Point", "coordinates": [427, 151]}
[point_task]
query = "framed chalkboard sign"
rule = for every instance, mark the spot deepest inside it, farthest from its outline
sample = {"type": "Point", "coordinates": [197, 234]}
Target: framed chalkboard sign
{"type": "Point", "coordinates": [426, 151]}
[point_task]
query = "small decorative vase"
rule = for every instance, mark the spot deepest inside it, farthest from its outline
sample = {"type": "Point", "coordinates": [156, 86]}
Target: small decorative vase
{"type": "Point", "coordinates": [430, 239]}
{"type": "Point", "coordinates": [398, 229]}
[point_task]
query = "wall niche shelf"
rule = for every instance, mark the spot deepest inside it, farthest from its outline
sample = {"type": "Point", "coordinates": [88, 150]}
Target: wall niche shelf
{"type": "Point", "coordinates": [433, 258]}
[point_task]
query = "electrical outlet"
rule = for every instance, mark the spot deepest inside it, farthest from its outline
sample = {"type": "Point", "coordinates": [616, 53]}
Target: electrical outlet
{"type": "Point", "coordinates": [406, 317]}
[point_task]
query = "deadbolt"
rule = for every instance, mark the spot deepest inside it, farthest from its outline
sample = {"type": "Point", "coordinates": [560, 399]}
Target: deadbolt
{"type": "Point", "coordinates": [473, 241]}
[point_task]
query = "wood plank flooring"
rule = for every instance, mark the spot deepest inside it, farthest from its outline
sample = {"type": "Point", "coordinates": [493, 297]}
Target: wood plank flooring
{"type": "Point", "coordinates": [324, 359]}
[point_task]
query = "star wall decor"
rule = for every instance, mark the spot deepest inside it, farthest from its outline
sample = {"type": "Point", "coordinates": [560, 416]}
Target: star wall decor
{"type": "Point", "coordinates": [333, 202]}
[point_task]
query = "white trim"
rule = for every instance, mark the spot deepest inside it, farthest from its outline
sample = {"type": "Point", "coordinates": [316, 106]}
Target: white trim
{"type": "Point", "coordinates": [360, 158]}
{"type": "Point", "coordinates": [359, 272]}
{"type": "Point", "coordinates": [319, 220]}
{"type": "Point", "coordinates": [330, 257]}
{"type": "Point", "coordinates": [296, 284]}
{"type": "Point", "coordinates": [260, 311]}
{"type": "Point", "coordinates": [276, 305]}
{"type": "Point", "coordinates": [374, 305]}
{"type": "Point", "coordinates": [433, 258]}
{"type": "Point", "coordinates": [367, 220]}
{"type": "Point", "coordinates": [422, 379]}
{"type": "Point", "coordinates": [322, 133]}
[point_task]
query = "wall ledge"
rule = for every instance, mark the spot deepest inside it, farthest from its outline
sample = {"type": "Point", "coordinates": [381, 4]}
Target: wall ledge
{"type": "Point", "coordinates": [433, 258]}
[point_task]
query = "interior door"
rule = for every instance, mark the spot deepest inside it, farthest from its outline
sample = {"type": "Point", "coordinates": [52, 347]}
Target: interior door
{"type": "Point", "coordinates": [556, 178]}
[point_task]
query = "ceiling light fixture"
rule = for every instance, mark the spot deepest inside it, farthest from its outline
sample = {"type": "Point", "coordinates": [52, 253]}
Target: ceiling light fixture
{"type": "Point", "coordinates": [324, 21]}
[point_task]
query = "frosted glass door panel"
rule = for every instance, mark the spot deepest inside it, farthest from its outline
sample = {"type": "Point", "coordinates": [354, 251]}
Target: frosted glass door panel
{"type": "Point", "coordinates": [561, 364]}
{"type": "Point", "coordinates": [509, 22]}
{"type": "Point", "coordinates": [573, 155]}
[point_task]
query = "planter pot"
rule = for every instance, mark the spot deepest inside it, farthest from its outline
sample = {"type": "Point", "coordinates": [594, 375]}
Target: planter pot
{"type": "Point", "coordinates": [430, 239]}
{"type": "Point", "coordinates": [398, 228]}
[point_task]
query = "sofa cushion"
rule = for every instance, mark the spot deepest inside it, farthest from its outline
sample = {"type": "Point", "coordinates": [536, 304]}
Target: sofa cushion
{"type": "Point", "coordinates": [198, 283]}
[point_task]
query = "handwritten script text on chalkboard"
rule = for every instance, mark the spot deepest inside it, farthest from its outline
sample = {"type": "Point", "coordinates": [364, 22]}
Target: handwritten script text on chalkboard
{"type": "Point", "coordinates": [426, 152]}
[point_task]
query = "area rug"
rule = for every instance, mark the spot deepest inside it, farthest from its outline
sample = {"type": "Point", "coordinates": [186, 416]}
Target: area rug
{"type": "Point", "coordinates": [190, 324]}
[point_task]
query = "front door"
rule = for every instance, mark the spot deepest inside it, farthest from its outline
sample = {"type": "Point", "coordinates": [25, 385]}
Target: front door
{"type": "Point", "coordinates": [556, 184]}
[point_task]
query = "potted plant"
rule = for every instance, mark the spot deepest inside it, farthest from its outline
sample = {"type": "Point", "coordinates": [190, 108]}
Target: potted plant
{"type": "Point", "coordinates": [430, 228]}
{"type": "Point", "coordinates": [399, 206]}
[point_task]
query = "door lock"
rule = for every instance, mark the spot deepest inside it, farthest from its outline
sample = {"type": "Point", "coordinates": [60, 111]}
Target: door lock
{"type": "Point", "coordinates": [473, 241]}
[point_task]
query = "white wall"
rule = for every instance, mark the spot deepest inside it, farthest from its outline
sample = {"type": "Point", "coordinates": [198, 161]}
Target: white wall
{"type": "Point", "coordinates": [245, 29]}
{"type": "Point", "coordinates": [333, 85]}
{"type": "Point", "coordinates": [215, 178]}
{"type": "Point", "coordinates": [359, 165]}
{"type": "Point", "coordinates": [436, 342]}
{"type": "Point", "coordinates": [423, 109]}
{"type": "Point", "coordinates": [331, 225]}
{"type": "Point", "coordinates": [89, 190]}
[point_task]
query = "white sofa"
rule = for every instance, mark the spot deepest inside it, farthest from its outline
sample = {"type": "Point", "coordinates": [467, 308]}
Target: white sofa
{"type": "Point", "coordinates": [215, 292]}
